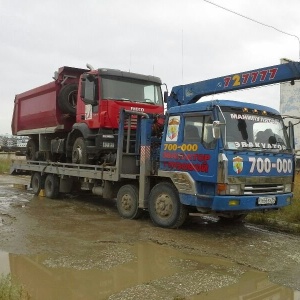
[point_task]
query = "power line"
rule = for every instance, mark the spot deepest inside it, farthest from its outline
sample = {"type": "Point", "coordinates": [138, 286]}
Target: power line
{"type": "Point", "coordinates": [258, 22]}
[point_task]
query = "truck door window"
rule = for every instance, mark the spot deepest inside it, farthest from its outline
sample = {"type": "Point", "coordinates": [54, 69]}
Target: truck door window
{"type": "Point", "coordinates": [208, 140]}
{"type": "Point", "coordinates": [199, 129]}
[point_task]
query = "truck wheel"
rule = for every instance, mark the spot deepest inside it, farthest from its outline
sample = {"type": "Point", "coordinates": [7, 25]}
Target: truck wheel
{"type": "Point", "coordinates": [52, 186]}
{"type": "Point", "coordinates": [128, 202]}
{"type": "Point", "coordinates": [67, 99]}
{"type": "Point", "coordinates": [79, 153]}
{"type": "Point", "coordinates": [165, 208]}
{"type": "Point", "coordinates": [37, 182]}
{"type": "Point", "coordinates": [31, 149]}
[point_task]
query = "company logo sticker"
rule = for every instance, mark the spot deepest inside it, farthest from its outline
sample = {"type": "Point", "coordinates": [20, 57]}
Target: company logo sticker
{"type": "Point", "coordinates": [237, 164]}
{"type": "Point", "coordinates": [172, 130]}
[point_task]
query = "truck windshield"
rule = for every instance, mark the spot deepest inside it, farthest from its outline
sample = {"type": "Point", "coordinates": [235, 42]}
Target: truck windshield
{"type": "Point", "coordinates": [128, 89]}
{"type": "Point", "coordinates": [253, 131]}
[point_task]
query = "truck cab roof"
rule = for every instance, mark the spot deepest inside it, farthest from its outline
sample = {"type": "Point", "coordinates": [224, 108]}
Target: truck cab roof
{"type": "Point", "coordinates": [208, 105]}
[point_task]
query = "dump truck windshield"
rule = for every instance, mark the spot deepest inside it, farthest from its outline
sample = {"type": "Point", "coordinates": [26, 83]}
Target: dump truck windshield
{"type": "Point", "coordinates": [127, 89]}
{"type": "Point", "coordinates": [253, 131]}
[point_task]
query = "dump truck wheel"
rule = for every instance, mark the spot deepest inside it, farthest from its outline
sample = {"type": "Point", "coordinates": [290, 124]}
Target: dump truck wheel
{"type": "Point", "coordinates": [67, 99]}
{"type": "Point", "coordinates": [52, 186]}
{"type": "Point", "coordinates": [79, 153]}
{"type": "Point", "coordinates": [128, 202]}
{"type": "Point", "coordinates": [37, 182]}
{"type": "Point", "coordinates": [165, 208]}
{"type": "Point", "coordinates": [31, 149]}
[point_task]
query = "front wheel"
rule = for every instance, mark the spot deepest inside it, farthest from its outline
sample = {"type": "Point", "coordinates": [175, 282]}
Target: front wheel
{"type": "Point", "coordinates": [128, 202]}
{"type": "Point", "coordinates": [165, 208]}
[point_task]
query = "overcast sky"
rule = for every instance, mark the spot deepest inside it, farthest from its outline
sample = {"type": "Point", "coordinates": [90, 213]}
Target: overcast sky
{"type": "Point", "coordinates": [178, 41]}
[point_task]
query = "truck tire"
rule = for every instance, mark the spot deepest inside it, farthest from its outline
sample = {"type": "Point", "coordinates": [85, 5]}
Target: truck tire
{"type": "Point", "coordinates": [37, 182]}
{"type": "Point", "coordinates": [67, 99]}
{"type": "Point", "coordinates": [52, 186]}
{"type": "Point", "coordinates": [128, 202]}
{"type": "Point", "coordinates": [31, 149]}
{"type": "Point", "coordinates": [165, 208]}
{"type": "Point", "coordinates": [79, 152]}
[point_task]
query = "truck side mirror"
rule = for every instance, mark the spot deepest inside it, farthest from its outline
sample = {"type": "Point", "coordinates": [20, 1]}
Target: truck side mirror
{"type": "Point", "coordinates": [291, 135]}
{"type": "Point", "coordinates": [88, 90]}
{"type": "Point", "coordinates": [165, 96]}
{"type": "Point", "coordinates": [216, 130]}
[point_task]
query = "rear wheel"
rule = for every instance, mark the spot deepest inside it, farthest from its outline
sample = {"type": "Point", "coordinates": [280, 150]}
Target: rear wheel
{"type": "Point", "coordinates": [165, 208]}
{"type": "Point", "coordinates": [37, 182]}
{"type": "Point", "coordinates": [128, 202]}
{"type": "Point", "coordinates": [52, 186]}
{"type": "Point", "coordinates": [31, 149]}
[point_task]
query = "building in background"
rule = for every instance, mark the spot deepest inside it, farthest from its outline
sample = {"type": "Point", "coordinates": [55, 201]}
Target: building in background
{"type": "Point", "coordinates": [290, 106]}
{"type": "Point", "coordinates": [11, 143]}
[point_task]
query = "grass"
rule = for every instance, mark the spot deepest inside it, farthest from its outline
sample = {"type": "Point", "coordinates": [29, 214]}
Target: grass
{"type": "Point", "coordinates": [5, 165]}
{"type": "Point", "coordinates": [10, 290]}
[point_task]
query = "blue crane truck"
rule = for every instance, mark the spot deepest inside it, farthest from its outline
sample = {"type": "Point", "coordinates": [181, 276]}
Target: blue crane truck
{"type": "Point", "coordinates": [219, 157]}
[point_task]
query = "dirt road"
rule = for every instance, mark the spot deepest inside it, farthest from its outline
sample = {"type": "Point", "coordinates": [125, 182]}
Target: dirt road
{"type": "Point", "coordinates": [79, 248]}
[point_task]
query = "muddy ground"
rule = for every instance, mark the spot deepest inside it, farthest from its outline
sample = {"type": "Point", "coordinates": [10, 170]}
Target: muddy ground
{"type": "Point", "coordinates": [78, 247]}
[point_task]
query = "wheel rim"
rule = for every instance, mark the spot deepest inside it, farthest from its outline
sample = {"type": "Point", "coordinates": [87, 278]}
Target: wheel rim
{"type": "Point", "coordinates": [127, 202]}
{"type": "Point", "coordinates": [72, 98]}
{"type": "Point", "coordinates": [77, 154]}
{"type": "Point", "coordinates": [164, 206]}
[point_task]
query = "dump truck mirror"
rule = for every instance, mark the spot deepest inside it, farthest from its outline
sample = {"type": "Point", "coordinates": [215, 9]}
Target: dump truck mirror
{"type": "Point", "coordinates": [216, 131]}
{"type": "Point", "coordinates": [88, 90]}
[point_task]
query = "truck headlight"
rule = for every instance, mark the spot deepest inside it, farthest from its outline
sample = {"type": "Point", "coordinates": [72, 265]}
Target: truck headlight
{"type": "Point", "coordinates": [233, 189]}
{"type": "Point", "coordinates": [288, 188]}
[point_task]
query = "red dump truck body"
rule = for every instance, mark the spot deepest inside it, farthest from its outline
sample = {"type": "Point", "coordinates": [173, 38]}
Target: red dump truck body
{"type": "Point", "coordinates": [37, 110]}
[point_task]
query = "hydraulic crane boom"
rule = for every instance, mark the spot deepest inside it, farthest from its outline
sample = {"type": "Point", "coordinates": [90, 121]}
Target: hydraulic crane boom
{"type": "Point", "coordinates": [191, 93]}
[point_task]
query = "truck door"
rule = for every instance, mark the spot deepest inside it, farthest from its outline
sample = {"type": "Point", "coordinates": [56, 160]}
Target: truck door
{"type": "Point", "coordinates": [188, 145]}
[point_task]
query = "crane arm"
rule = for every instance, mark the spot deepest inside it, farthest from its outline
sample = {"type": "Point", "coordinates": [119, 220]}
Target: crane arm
{"type": "Point", "coordinates": [191, 93]}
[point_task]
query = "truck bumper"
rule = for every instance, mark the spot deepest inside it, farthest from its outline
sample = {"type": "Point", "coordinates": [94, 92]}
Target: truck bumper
{"type": "Point", "coordinates": [236, 203]}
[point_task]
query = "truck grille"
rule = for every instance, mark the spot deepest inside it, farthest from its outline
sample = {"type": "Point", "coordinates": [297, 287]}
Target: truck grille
{"type": "Point", "coordinates": [265, 189]}
{"type": "Point", "coordinates": [133, 122]}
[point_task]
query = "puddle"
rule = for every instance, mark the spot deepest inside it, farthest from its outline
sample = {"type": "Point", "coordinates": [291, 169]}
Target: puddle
{"type": "Point", "coordinates": [139, 271]}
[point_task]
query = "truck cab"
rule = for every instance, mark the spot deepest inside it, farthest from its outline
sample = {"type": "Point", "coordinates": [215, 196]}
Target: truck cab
{"type": "Point", "coordinates": [228, 157]}
{"type": "Point", "coordinates": [102, 94]}
{"type": "Point", "coordinates": [105, 91]}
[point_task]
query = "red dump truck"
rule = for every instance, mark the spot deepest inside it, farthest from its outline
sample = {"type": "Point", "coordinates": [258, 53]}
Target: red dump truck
{"type": "Point", "coordinates": [75, 117]}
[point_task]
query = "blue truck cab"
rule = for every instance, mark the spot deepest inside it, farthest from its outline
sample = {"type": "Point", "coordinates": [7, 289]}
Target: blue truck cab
{"type": "Point", "coordinates": [228, 157]}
